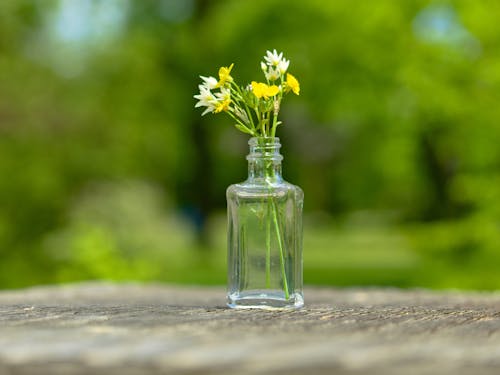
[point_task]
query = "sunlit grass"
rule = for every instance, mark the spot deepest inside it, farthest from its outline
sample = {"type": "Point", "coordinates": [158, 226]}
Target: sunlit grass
{"type": "Point", "coordinates": [333, 255]}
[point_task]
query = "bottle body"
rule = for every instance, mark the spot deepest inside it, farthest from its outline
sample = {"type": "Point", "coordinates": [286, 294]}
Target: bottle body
{"type": "Point", "coordinates": [264, 235]}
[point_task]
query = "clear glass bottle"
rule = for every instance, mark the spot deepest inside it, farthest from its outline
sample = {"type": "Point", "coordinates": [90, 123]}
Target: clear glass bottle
{"type": "Point", "coordinates": [264, 234]}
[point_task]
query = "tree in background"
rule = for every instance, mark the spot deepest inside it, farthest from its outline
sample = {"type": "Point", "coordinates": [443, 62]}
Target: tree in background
{"type": "Point", "coordinates": [398, 105]}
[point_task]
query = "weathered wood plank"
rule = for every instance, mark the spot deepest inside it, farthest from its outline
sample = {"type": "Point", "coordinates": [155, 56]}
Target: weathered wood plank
{"type": "Point", "coordinates": [137, 329]}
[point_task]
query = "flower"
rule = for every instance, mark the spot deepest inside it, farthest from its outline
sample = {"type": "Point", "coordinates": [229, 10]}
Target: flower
{"type": "Point", "coordinates": [292, 84]}
{"type": "Point", "coordinates": [224, 75]}
{"type": "Point", "coordinates": [222, 106]}
{"type": "Point", "coordinates": [283, 65]}
{"type": "Point", "coordinates": [205, 99]}
{"type": "Point", "coordinates": [224, 94]}
{"type": "Point", "coordinates": [261, 90]}
{"type": "Point", "coordinates": [223, 100]}
{"type": "Point", "coordinates": [280, 64]}
{"type": "Point", "coordinates": [272, 58]}
{"type": "Point", "coordinates": [209, 82]}
{"type": "Point", "coordinates": [254, 107]}
{"type": "Point", "coordinates": [272, 74]}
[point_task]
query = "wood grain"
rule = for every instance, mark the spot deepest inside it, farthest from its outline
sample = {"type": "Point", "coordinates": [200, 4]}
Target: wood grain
{"type": "Point", "coordinates": [126, 329]}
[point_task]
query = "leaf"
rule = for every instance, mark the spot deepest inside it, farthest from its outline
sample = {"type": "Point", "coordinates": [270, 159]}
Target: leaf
{"type": "Point", "coordinates": [244, 129]}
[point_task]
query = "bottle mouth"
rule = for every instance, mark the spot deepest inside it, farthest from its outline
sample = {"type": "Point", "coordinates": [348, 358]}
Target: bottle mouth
{"type": "Point", "coordinates": [265, 148]}
{"type": "Point", "coordinates": [255, 141]}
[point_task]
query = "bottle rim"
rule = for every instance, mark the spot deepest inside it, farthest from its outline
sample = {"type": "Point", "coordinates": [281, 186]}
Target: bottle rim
{"type": "Point", "coordinates": [267, 148]}
{"type": "Point", "coordinates": [255, 141]}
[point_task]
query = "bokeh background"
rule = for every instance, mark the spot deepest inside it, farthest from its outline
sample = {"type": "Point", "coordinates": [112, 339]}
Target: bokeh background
{"type": "Point", "coordinates": [108, 172]}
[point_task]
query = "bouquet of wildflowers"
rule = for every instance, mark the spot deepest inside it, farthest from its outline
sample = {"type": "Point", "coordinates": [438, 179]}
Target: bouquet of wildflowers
{"type": "Point", "coordinates": [254, 107]}
{"type": "Point", "coordinates": [265, 223]}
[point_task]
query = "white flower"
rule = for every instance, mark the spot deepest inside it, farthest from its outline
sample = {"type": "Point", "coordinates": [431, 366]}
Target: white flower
{"type": "Point", "coordinates": [272, 58]}
{"type": "Point", "coordinates": [224, 94]}
{"type": "Point", "coordinates": [272, 74]}
{"type": "Point", "coordinates": [205, 99]}
{"type": "Point", "coordinates": [263, 66]}
{"type": "Point", "coordinates": [283, 65]}
{"type": "Point", "coordinates": [209, 82]}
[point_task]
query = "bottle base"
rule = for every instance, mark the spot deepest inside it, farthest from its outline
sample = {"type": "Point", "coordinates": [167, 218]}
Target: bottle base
{"type": "Point", "coordinates": [264, 300]}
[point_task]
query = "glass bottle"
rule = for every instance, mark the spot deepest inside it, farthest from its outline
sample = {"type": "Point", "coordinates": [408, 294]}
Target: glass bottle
{"type": "Point", "coordinates": [264, 234]}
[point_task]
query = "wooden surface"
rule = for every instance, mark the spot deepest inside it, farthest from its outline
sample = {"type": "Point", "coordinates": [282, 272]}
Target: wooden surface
{"type": "Point", "coordinates": [134, 329]}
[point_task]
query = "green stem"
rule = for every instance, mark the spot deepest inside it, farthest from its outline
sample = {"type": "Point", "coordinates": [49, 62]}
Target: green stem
{"type": "Point", "coordinates": [275, 121]}
{"type": "Point", "coordinates": [275, 116]}
{"type": "Point", "coordinates": [237, 89]}
{"type": "Point", "coordinates": [261, 123]}
{"type": "Point", "coordinates": [268, 246]}
{"type": "Point", "coordinates": [271, 206]}
{"type": "Point", "coordinates": [280, 244]}
{"type": "Point", "coordinates": [265, 121]}
{"type": "Point", "coordinates": [239, 122]}
{"type": "Point", "coordinates": [236, 119]}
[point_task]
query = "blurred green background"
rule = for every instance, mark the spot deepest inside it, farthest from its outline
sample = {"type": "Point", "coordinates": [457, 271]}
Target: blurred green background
{"type": "Point", "coordinates": [108, 172]}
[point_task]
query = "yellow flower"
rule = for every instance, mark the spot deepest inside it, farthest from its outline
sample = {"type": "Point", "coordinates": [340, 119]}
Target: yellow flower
{"type": "Point", "coordinates": [224, 75]}
{"type": "Point", "coordinates": [292, 84]}
{"type": "Point", "coordinates": [261, 90]}
{"type": "Point", "coordinates": [222, 106]}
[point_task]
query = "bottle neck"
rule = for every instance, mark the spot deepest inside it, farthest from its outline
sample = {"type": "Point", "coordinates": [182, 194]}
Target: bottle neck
{"type": "Point", "coordinates": [264, 159]}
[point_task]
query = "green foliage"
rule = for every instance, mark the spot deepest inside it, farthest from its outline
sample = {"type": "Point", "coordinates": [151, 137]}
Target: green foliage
{"type": "Point", "coordinates": [394, 138]}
